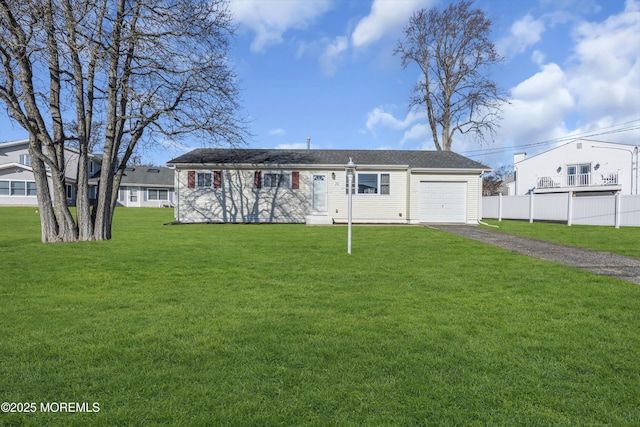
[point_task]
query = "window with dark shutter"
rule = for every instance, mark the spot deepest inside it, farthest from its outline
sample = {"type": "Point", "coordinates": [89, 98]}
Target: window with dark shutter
{"type": "Point", "coordinates": [191, 179]}
{"type": "Point", "coordinates": [217, 179]}
{"type": "Point", "coordinates": [257, 179]}
{"type": "Point", "coordinates": [295, 180]}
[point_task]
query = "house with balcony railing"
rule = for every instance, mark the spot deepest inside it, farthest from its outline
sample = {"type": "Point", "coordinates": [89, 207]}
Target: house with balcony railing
{"type": "Point", "coordinates": [583, 167]}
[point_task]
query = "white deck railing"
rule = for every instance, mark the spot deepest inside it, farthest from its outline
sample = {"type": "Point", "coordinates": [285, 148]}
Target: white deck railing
{"type": "Point", "coordinates": [578, 180]}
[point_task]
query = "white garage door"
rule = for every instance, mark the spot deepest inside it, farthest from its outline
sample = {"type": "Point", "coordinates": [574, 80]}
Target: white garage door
{"type": "Point", "coordinates": [443, 201]}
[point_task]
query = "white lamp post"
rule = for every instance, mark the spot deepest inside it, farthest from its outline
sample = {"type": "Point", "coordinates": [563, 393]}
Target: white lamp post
{"type": "Point", "coordinates": [351, 172]}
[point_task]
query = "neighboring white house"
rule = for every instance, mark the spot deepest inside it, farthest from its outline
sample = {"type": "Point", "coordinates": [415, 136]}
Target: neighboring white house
{"type": "Point", "coordinates": [141, 186]}
{"type": "Point", "coordinates": [298, 186]}
{"type": "Point", "coordinates": [17, 182]}
{"type": "Point", "coordinates": [583, 167]}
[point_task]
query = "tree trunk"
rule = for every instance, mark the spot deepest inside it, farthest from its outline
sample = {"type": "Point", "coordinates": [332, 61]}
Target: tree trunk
{"type": "Point", "coordinates": [56, 222]}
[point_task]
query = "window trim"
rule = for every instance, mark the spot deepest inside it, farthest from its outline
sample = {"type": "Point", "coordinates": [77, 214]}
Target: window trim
{"type": "Point", "coordinates": [8, 189]}
{"type": "Point", "coordinates": [31, 189]}
{"type": "Point", "coordinates": [28, 188]}
{"type": "Point", "coordinates": [379, 189]}
{"type": "Point", "coordinates": [203, 174]}
{"type": "Point", "coordinates": [157, 191]}
{"type": "Point", "coordinates": [266, 178]}
{"type": "Point", "coordinates": [193, 179]}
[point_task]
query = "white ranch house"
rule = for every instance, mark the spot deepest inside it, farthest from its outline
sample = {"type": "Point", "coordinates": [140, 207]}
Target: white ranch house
{"type": "Point", "coordinates": [309, 186]}
{"type": "Point", "coordinates": [583, 167]}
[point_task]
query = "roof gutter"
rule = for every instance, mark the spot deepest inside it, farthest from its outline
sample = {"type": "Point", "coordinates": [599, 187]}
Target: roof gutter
{"type": "Point", "coordinates": [450, 170]}
{"type": "Point", "coordinates": [281, 166]}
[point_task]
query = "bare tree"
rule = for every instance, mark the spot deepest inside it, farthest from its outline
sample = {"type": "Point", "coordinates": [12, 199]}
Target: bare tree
{"type": "Point", "coordinates": [454, 53]}
{"type": "Point", "coordinates": [493, 183]}
{"type": "Point", "coordinates": [136, 69]}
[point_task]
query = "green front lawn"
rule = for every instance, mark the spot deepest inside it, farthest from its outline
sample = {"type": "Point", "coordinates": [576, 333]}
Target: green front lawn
{"type": "Point", "coordinates": [277, 325]}
{"type": "Point", "coordinates": [622, 241]}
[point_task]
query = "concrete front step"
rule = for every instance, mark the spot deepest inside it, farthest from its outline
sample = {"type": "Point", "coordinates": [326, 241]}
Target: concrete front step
{"type": "Point", "coordinates": [319, 220]}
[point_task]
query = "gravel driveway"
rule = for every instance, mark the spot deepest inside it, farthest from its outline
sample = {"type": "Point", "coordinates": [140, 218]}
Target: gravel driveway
{"type": "Point", "coordinates": [604, 263]}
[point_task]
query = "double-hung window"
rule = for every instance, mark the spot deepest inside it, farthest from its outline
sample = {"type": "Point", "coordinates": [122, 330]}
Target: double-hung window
{"type": "Point", "coordinates": [276, 180]}
{"type": "Point", "coordinates": [204, 179]}
{"type": "Point", "coordinates": [199, 179]}
{"type": "Point", "coordinates": [158, 194]}
{"type": "Point", "coordinates": [18, 188]}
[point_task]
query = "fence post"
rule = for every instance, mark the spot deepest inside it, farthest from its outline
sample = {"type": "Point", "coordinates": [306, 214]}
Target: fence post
{"type": "Point", "coordinates": [530, 207]}
{"type": "Point", "coordinates": [570, 209]}
{"type": "Point", "coordinates": [500, 207]}
{"type": "Point", "coordinates": [617, 211]}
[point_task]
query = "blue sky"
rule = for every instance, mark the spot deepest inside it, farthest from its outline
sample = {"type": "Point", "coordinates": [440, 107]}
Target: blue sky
{"type": "Point", "coordinates": [325, 69]}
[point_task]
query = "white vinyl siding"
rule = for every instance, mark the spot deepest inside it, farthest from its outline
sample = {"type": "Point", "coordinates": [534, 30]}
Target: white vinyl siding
{"type": "Point", "coordinates": [370, 207]}
{"type": "Point", "coordinates": [239, 200]}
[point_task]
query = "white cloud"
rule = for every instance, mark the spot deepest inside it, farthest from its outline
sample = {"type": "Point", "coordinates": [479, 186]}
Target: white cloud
{"type": "Point", "coordinates": [385, 16]}
{"type": "Point", "coordinates": [540, 84]}
{"type": "Point", "coordinates": [270, 19]}
{"type": "Point", "coordinates": [538, 57]}
{"type": "Point", "coordinates": [277, 132]}
{"type": "Point", "coordinates": [538, 107]}
{"type": "Point", "coordinates": [606, 75]}
{"type": "Point", "coordinates": [332, 55]}
{"type": "Point", "coordinates": [524, 33]}
{"type": "Point", "coordinates": [378, 117]}
{"type": "Point", "coordinates": [417, 131]}
{"type": "Point", "coordinates": [411, 124]}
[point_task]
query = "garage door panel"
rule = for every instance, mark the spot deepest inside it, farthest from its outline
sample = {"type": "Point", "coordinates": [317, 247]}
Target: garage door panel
{"type": "Point", "coordinates": [443, 201]}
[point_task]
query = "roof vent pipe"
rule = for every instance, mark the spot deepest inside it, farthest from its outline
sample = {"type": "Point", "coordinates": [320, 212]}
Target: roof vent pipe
{"type": "Point", "coordinates": [308, 143]}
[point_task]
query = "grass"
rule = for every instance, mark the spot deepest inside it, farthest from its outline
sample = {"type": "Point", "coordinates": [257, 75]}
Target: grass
{"type": "Point", "coordinates": [277, 325]}
{"type": "Point", "coordinates": [622, 241]}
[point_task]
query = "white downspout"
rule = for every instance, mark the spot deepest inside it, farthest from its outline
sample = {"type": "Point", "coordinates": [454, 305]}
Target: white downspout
{"type": "Point", "coordinates": [177, 180]}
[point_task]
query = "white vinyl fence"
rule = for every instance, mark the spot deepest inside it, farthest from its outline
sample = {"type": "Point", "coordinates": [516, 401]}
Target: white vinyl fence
{"type": "Point", "coordinates": [613, 210]}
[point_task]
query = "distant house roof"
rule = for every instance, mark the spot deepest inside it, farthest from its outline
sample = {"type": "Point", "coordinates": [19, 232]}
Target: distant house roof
{"type": "Point", "coordinates": [148, 176]}
{"type": "Point", "coordinates": [410, 158]}
{"type": "Point", "coordinates": [18, 142]}
{"type": "Point", "coordinates": [143, 176]}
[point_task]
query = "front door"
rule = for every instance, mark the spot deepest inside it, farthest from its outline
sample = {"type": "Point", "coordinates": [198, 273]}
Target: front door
{"type": "Point", "coordinates": [319, 193]}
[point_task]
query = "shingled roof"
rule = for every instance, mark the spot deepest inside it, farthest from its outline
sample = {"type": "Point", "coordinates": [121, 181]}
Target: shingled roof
{"type": "Point", "coordinates": [145, 176]}
{"type": "Point", "coordinates": [274, 157]}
